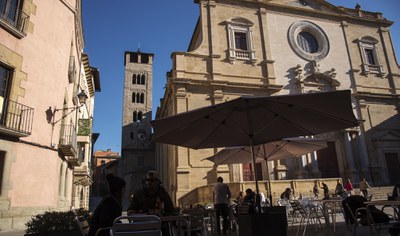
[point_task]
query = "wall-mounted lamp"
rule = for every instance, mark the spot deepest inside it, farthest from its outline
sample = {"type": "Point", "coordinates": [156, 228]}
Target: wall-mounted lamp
{"type": "Point", "coordinates": [82, 100]}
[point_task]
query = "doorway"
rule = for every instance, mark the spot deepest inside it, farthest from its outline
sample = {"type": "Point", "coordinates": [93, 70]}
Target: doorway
{"type": "Point", "coordinates": [327, 161]}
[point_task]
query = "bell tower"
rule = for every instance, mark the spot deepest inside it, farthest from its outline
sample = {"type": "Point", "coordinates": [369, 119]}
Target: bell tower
{"type": "Point", "coordinates": [137, 100]}
{"type": "Point", "coordinates": [137, 150]}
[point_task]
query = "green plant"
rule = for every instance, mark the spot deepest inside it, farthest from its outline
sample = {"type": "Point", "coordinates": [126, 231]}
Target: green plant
{"type": "Point", "coordinates": [54, 221]}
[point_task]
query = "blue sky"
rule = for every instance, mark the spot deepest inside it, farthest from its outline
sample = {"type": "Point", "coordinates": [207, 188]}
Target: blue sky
{"type": "Point", "coordinates": [160, 27]}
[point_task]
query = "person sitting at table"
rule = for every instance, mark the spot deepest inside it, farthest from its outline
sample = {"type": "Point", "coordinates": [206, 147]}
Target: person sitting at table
{"type": "Point", "coordinates": [239, 198]}
{"type": "Point", "coordinates": [326, 190]}
{"type": "Point", "coordinates": [249, 198]}
{"type": "Point", "coordinates": [339, 190]}
{"type": "Point", "coordinates": [287, 194]}
{"type": "Point", "coordinates": [151, 198]}
{"type": "Point", "coordinates": [109, 208]}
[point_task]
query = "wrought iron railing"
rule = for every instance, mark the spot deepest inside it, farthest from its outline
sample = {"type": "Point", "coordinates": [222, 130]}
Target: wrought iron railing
{"type": "Point", "coordinates": [16, 118]}
{"type": "Point", "coordinates": [14, 17]}
{"type": "Point", "coordinates": [68, 138]}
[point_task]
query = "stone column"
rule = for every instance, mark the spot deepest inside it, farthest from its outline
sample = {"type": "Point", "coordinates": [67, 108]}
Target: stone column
{"type": "Point", "coordinates": [351, 171]}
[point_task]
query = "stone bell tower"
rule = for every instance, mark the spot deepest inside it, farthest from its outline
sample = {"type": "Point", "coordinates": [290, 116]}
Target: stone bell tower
{"type": "Point", "coordinates": [137, 151]}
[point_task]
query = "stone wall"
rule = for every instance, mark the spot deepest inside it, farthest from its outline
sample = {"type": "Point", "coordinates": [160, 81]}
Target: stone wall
{"type": "Point", "coordinates": [203, 195]}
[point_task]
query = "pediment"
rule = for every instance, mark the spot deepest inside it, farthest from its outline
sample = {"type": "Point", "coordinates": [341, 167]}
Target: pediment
{"type": "Point", "coordinates": [388, 136]}
{"type": "Point", "coordinates": [313, 5]}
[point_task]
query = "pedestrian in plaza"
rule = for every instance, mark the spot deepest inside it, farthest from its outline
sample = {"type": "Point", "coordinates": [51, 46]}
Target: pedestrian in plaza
{"type": "Point", "coordinates": [315, 189]}
{"type": "Point", "coordinates": [339, 190]}
{"type": "Point", "coordinates": [109, 208]}
{"type": "Point", "coordinates": [326, 190]}
{"type": "Point", "coordinates": [364, 186]}
{"type": "Point", "coordinates": [221, 197]}
{"type": "Point", "coordinates": [287, 194]}
{"type": "Point", "coordinates": [349, 187]}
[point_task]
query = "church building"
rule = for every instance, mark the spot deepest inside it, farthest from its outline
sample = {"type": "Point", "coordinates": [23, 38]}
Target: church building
{"type": "Point", "coordinates": [279, 47]}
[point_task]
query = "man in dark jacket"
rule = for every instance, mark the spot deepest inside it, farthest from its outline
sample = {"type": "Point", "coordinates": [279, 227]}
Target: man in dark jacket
{"type": "Point", "coordinates": [152, 197]}
{"type": "Point", "coordinates": [109, 208]}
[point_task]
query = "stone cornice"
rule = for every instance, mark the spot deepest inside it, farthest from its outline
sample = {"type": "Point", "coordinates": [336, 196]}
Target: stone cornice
{"type": "Point", "coordinates": [225, 84]}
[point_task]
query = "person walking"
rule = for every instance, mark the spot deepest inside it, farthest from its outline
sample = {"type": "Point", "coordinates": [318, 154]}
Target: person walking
{"type": "Point", "coordinates": [315, 189]}
{"type": "Point", "coordinates": [221, 196]}
{"type": "Point", "coordinates": [364, 186]}
{"type": "Point", "coordinates": [339, 190]}
{"type": "Point", "coordinates": [349, 187]}
{"type": "Point", "coordinates": [326, 190]}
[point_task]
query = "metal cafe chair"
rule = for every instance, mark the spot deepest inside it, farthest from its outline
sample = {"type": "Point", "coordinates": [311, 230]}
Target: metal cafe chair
{"type": "Point", "coordinates": [197, 222]}
{"type": "Point", "coordinates": [311, 214]}
{"type": "Point", "coordinates": [355, 217]}
{"type": "Point", "coordinates": [144, 225]}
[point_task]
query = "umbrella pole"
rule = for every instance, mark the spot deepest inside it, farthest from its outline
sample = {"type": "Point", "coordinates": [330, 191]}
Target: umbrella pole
{"type": "Point", "coordinates": [258, 198]}
{"type": "Point", "coordinates": [268, 176]}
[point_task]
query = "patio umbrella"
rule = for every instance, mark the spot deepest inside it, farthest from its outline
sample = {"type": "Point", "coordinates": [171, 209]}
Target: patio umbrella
{"type": "Point", "coordinates": [248, 121]}
{"type": "Point", "coordinates": [276, 150]}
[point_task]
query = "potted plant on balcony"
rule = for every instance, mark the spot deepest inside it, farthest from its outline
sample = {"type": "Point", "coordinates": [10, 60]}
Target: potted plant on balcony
{"type": "Point", "coordinates": [60, 223]}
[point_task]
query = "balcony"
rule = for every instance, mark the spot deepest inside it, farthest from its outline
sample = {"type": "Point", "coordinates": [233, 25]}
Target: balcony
{"type": "Point", "coordinates": [13, 20]}
{"type": "Point", "coordinates": [15, 119]}
{"type": "Point", "coordinates": [68, 144]}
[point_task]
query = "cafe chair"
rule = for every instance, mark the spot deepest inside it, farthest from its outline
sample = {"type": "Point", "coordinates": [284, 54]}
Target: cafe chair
{"type": "Point", "coordinates": [356, 218]}
{"type": "Point", "coordinates": [197, 223]}
{"type": "Point", "coordinates": [144, 225]}
{"type": "Point", "coordinates": [310, 215]}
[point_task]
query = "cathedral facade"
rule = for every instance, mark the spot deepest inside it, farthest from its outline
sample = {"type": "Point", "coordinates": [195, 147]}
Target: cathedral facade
{"type": "Point", "coordinates": [277, 47]}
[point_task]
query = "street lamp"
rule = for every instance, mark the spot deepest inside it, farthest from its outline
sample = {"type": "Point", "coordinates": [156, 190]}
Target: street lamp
{"type": "Point", "coordinates": [81, 99]}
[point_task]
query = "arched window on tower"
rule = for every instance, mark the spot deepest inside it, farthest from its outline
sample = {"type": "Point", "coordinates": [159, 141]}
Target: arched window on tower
{"type": "Point", "coordinates": [134, 79]}
{"type": "Point", "coordinates": [142, 98]}
{"type": "Point", "coordinates": [135, 116]}
{"type": "Point", "coordinates": [140, 116]}
{"type": "Point", "coordinates": [143, 79]}
{"type": "Point", "coordinates": [138, 98]}
{"type": "Point", "coordinates": [134, 97]}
